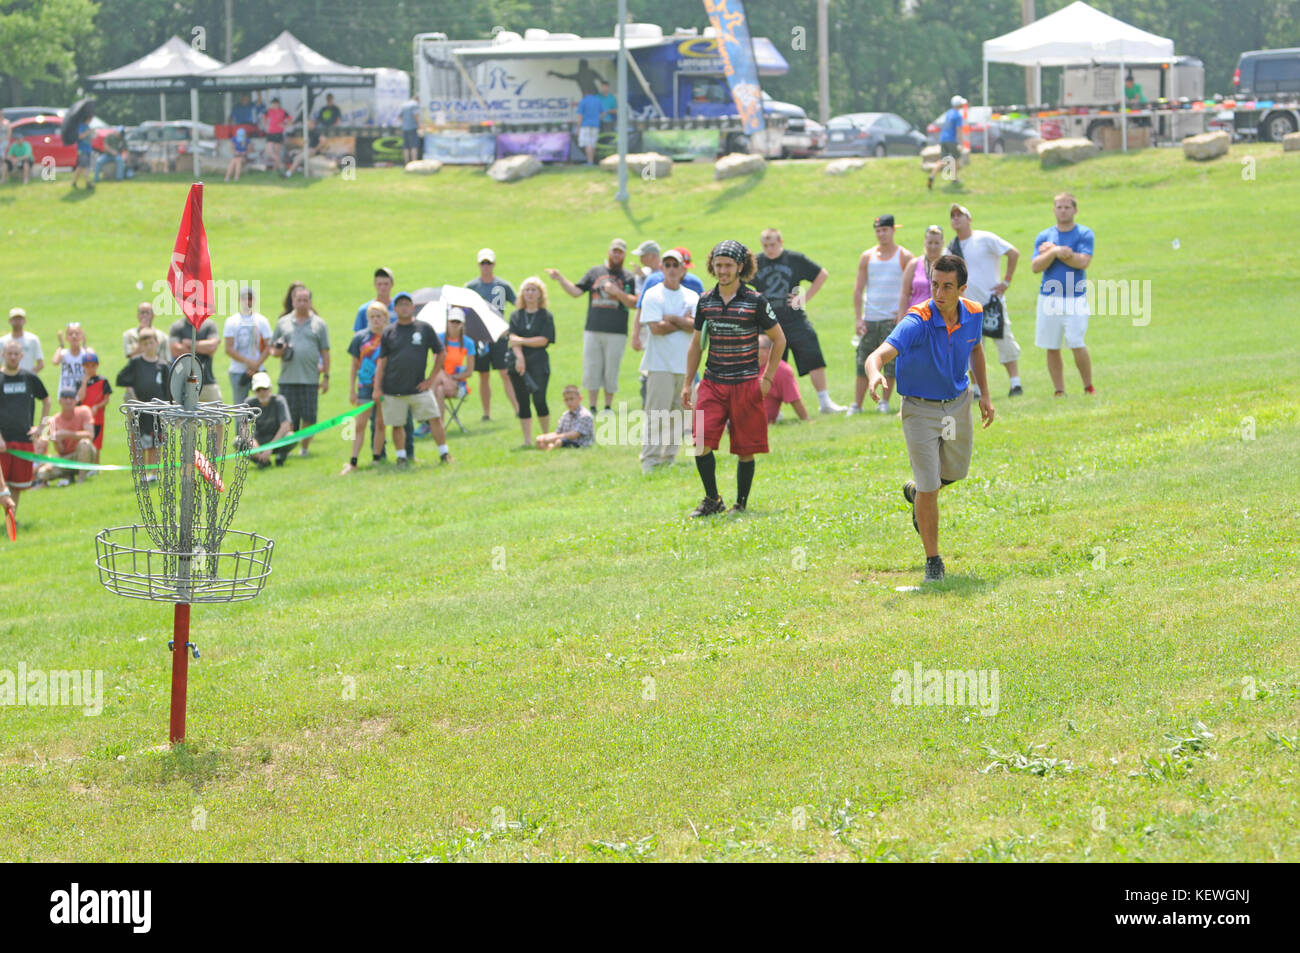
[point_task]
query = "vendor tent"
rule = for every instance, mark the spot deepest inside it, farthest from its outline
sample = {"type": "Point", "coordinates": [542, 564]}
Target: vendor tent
{"type": "Point", "coordinates": [1076, 36]}
{"type": "Point", "coordinates": [173, 67]}
{"type": "Point", "coordinates": [286, 61]}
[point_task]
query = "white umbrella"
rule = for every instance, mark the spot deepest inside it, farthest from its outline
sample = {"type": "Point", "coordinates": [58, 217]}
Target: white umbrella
{"type": "Point", "coordinates": [482, 323]}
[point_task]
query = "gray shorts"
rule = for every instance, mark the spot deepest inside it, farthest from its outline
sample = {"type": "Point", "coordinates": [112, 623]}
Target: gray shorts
{"type": "Point", "coordinates": [940, 436]}
{"type": "Point", "coordinates": [877, 332]}
{"type": "Point", "coordinates": [602, 353]}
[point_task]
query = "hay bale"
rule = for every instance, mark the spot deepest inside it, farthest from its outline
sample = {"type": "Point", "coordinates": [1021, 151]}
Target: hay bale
{"type": "Point", "coordinates": [737, 164]}
{"type": "Point", "coordinates": [514, 168]}
{"type": "Point", "coordinates": [648, 165]}
{"type": "Point", "coordinates": [423, 166]}
{"type": "Point", "coordinates": [1291, 142]}
{"type": "Point", "coordinates": [1209, 145]}
{"type": "Point", "coordinates": [1066, 151]}
{"type": "Point", "coordinates": [841, 166]}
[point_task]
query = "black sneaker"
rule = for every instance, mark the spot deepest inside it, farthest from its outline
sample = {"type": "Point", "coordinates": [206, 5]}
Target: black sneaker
{"type": "Point", "coordinates": [909, 494]}
{"type": "Point", "coordinates": [485, 419]}
{"type": "Point", "coordinates": [1017, 391]}
{"type": "Point", "coordinates": [737, 508]}
{"type": "Point", "coordinates": [446, 458]}
{"type": "Point", "coordinates": [262, 464]}
{"type": "Point", "coordinates": [934, 569]}
{"type": "Point", "coordinates": [402, 462]}
{"type": "Point", "coordinates": [382, 458]}
{"type": "Point", "coordinates": [710, 507]}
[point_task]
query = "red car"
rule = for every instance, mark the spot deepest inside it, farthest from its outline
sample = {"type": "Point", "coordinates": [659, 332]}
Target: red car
{"type": "Point", "coordinates": [43, 134]}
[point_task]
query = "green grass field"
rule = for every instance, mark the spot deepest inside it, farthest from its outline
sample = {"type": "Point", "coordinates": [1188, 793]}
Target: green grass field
{"type": "Point", "coordinates": [551, 662]}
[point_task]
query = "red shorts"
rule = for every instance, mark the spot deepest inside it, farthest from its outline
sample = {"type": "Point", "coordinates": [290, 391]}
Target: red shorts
{"type": "Point", "coordinates": [17, 471]}
{"type": "Point", "coordinates": [738, 407]}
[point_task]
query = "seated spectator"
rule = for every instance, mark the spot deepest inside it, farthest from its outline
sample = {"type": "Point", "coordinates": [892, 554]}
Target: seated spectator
{"type": "Point", "coordinates": [112, 149]}
{"type": "Point", "coordinates": [310, 148]}
{"type": "Point", "coordinates": [20, 156]}
{"type": "Point", "coordinates": [784, 389]}
{"type": "Point", "coordinates": [71, 431]}
{"type": "Point", "coordinates": [239, 155]}
{"type": "Point", "coordinates": [270, 425]}
{"type": "Point", "coordinates": [93, 393]}
{"type": "Point", "coordinates": [365, 354]}
{"type": "Point", "coordinates": [577, 427]}
{"type": "Point", "coordinates": [458, 357]}
{"type": "Point", "coordinates": [145, 378]}
{"type": "Point", "coordinates": [68, 357]}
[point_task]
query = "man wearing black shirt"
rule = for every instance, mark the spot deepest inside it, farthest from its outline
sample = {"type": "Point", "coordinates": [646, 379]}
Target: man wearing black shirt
{"type": "Point", "coordinates": [780, 274]}
{"type": "Point", "coordinates": [206, 344]}
{"type": "Point", "coordinates": [145, 378]}
{"type": "Point", "coordinates": [731, 394]}
{"type": "Point", "coordinates": [19, 392]}
{"type": "Point", "coordinates": [330, 114]}
{"type": "Point", "coordinates": [400, 382]}
{"type": "Point", "coordinates": [612, 291]}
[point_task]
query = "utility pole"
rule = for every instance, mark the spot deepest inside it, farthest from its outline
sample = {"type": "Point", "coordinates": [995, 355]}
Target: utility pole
{"type": "Point", "coordinates": [621, 195]}
{"type": "Point", "coordinates": [1031, 86]}
{"type": "Point", "coordinates": [823, 64]}
{"type": "Point", "coordinates": [228, 99]}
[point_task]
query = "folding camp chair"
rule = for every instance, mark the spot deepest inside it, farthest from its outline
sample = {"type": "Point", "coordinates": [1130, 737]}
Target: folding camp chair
{"type": "Point", "coordinates": [452, 406]}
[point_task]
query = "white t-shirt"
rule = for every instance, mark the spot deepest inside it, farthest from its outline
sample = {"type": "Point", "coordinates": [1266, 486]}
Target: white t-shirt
{"type": "Point", "coordinates": [667, 352]}
{"type": "Point", "coordinates": [247, 330]}
{"type": "Point", "coordinates": [31, 351]}
{"type": "Point", "coordinates": [983, 252]}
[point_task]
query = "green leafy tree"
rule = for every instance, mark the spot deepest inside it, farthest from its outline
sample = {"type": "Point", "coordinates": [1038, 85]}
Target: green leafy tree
{"type": "Point", "coordinates": [38, 39]}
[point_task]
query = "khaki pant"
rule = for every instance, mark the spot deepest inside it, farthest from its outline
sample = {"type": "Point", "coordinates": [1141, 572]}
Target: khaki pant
{"type": "Point", "coordinates": [664, 418]}
{"type": "Point", "coordinates": [940, 438]}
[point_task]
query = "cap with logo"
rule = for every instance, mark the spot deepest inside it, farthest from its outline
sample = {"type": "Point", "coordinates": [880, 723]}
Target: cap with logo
{"type": "Point", "coordinates": [486, 254]}
{"type": "Point", "coordinates": [89, 357]}
{"type": "Point", "coordinates": [884, 221]}
{"type": "Point", "coordinates": [685, 253]}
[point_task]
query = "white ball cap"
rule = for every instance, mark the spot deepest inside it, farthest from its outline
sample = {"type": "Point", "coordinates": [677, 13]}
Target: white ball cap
{"type": "Point", "coordinates": [957, 101]}
{"type": "Point", "coordinates": [486, 254]}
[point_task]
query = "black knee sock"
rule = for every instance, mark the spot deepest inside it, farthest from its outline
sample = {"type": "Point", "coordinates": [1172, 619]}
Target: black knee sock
{"type": "Point", "coordinates": [706, 465]}
{"type": "Point", "coordinates": [744, 479]}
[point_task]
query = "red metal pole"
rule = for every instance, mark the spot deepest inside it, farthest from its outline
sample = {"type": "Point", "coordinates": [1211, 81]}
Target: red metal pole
{"type": "Point", "coordinates": [180, 668]}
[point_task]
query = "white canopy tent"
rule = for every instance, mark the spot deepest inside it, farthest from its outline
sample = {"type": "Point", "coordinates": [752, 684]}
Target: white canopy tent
{"type": "Point", "coordinates": [1075, 36]}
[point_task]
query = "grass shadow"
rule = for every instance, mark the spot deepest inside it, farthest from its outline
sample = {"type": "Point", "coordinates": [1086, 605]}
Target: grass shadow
{"type": "Point", "coordinates": [739, 190]}
{"type": "Point", "coordinates": [76, 195]}
{"type": "Point", "coordinates": [636, 223]}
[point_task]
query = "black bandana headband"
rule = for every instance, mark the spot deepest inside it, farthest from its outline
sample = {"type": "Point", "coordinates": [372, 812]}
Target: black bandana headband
{"type": "Point", "coordinates": [731, 249]}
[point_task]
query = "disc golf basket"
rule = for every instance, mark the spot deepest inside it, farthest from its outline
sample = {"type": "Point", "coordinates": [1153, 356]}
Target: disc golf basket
{"type": "Point", "coordinates": [184, 552]}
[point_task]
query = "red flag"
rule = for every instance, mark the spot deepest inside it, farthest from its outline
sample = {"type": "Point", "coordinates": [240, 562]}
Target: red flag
{"type": "Point", "coordinates": [190, 272]}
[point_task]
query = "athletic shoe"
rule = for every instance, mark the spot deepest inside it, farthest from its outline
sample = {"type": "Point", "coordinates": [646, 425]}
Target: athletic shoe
{"type": "Point", "coordinates": [934, 569]}
{"type": "Point", "coordinates": [262, 464]}
{"type": "Point", "coordinates": [736, 508]}
{"type": "Point", "coordinates": [1090, 390]}
{"type": "Point", "coordinates": [279, 460]}
{"type": "Point", "coordinates": [853, 409]}
{"type": "Point", "coordinates": [446, 458]}
{"type": "Point", "coordinates": [833, 408]}
{"type": "Point", "coordinates": [382, 458]}
{"type": "Point", "coordinates": [1017, 391]}
{"type": "Point", "coordinates": [909, 494]}
{"type": "Point", "coordinates": [402, 463]}
{"type": "Point", "coordinates": [1059, 393]}
{"type": "Point", "coordinates": [883, 406]}
{"type": "Point", "coordinates": [484, 419]}
{"type": "Point", "coordinates": [710, 507]}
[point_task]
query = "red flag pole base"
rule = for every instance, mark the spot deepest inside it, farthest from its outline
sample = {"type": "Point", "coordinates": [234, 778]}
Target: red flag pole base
{"type": "Point", "coordinates": [180, 669]}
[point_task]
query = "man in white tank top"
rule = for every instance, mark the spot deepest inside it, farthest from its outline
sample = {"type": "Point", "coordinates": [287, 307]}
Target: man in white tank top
{"type": "Point", "coordinates": [875, 305]}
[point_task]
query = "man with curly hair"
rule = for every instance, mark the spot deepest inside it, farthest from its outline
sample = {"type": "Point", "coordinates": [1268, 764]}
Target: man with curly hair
{"type": "Point", "coordinates": [730, 317]}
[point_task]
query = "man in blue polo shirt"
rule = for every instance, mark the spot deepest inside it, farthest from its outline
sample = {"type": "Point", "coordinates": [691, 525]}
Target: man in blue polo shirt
{"type": "Point", "coordinates": [949, 146]}
{"type": "Point", "coordinates": [1063, 253]}
{"type": "Point", "coordinates": [934, 343]}
{"type": "Point", "coordinates": [590, 108]}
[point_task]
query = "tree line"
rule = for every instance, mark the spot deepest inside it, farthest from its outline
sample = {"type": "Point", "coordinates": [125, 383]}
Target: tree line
{"type": "Point", "coordinates": [903, 56]}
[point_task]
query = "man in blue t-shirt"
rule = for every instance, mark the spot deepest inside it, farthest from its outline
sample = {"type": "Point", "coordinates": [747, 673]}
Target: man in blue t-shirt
{"type": "Point", "coordinates": [1062, 253]}
{"type": "Point", "coordinates": [85, 152]}
{"type": "Point", "coordinates": [409, 113]}
{"type": "Point", "coordinates": [934, 343]}
{"type": "Point", "coordinates": [590, 108]}
{"type": "Point", "coordinates": [949, 142]}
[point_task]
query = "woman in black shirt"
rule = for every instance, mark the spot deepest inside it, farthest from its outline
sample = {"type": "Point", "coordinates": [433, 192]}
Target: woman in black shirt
{"type": "Point", "coordinates": [532, 328]}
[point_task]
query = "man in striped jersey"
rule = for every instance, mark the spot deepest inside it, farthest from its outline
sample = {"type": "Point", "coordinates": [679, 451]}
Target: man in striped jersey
{"type": "Point", "coordinates": [731, 394]}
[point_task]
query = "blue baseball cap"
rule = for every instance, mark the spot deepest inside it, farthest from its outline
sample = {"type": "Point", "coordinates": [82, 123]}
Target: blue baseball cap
{"type": "Point", "coordinates": [403, 294]}
{"type": "Point", "coordinates": [89, 357]}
